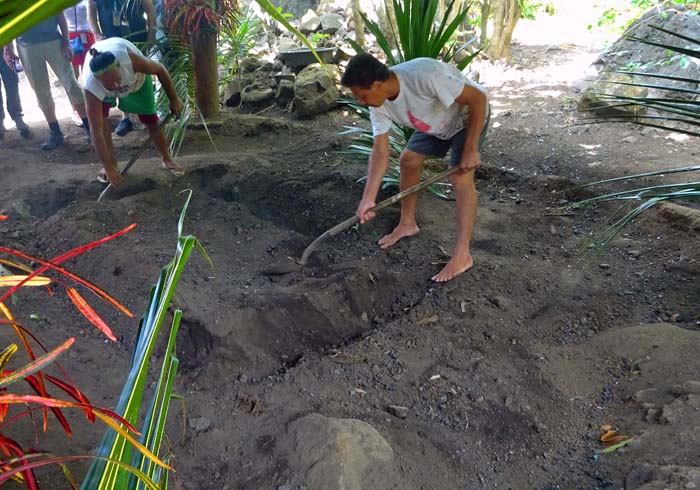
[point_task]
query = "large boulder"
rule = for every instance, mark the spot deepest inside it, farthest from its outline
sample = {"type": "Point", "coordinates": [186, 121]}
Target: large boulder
{"type": "Point", "coordinates": [309, 22]}
{"type": "Point", "coordinates": [595, 99]}
{"type": "Point", "coordinates": [331, 23]}
{"type": "Point", "coordinates": [337, 454]}
{"type": "Point", "coordinates": [314, 90]}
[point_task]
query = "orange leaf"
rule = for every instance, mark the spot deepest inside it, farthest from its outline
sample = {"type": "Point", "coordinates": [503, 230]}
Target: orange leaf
{"type": "Point", "coordinates": [6, 281]}
{"type": "Point", "coordinates": [90, 314]}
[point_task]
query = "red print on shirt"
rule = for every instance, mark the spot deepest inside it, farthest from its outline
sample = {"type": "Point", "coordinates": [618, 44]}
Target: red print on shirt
{"type": "Point", "coordinates": [421, 126]}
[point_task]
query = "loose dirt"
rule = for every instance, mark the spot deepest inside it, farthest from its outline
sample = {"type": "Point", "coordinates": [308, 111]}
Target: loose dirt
{"type": "Point", "coordinates": [503, 376]}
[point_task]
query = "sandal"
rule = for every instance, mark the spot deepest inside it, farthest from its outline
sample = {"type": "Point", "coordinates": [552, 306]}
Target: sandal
{"type": "Point", "coordinates": [174, 171]}
{"type": "Point", "coordinates": [102, 178]}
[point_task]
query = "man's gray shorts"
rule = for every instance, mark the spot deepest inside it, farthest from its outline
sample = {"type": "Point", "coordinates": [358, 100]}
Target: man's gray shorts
{"type": "Point", "coordinates": [433, 146]}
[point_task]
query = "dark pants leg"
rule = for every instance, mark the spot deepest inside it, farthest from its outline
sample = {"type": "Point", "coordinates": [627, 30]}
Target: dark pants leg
{"type": "Point", "coordinates": [11, 83]}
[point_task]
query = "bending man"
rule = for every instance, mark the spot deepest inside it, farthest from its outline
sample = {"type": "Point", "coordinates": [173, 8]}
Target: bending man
{"type": "Point", "coordinates": [448, 112]}
{"type": "Point", "coordinates": [115, 71]}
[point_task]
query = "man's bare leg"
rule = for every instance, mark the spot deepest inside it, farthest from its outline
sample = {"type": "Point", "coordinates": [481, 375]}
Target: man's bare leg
{"type": "Point", "coordinates": [162, 145]}
{"type": "Point", "coordinates": [411, 164]}
{"type": "Point", "coordinates": [461, 261]}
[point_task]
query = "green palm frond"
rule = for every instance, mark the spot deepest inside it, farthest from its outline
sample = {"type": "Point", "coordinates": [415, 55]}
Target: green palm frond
{"type": "Point", "coordinates": [676, 109]}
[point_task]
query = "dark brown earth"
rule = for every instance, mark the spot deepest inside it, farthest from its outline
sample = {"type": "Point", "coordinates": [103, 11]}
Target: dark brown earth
{"type": "Point", "coordinates": [507, 372]}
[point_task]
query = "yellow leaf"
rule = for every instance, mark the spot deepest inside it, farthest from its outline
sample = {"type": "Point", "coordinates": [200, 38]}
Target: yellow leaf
{"type": "Point", "coordinates": [9, 281]}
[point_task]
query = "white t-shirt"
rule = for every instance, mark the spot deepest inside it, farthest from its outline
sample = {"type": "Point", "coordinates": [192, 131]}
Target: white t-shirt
{"type": "Point", "coordinates": [426, 101]}
{"type": "Point", "coordinates": [131, 81]}
{"type": "Point", "coordinates": [77, 17]}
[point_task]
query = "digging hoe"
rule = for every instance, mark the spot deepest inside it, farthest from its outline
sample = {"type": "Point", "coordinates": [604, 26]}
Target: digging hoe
{"type": "Point", "coordinates": [138, 153]}
{"type": "Point", "coordinates": [294, 265]}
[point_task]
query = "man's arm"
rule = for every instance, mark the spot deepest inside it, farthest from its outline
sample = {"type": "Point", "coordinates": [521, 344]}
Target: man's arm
{"type": "Point", "coordinates": [92, 19]}
{"type": "Point", "coordinates": [141, 64]}
{"type": "Point", "coordinates": [378, 163]}
{"type": "Point", "coordinates": [93, 107]}
{"type": "Point", "coordinates": [477, 102]}
{"type": "Point", "coordinates": [65, 40]}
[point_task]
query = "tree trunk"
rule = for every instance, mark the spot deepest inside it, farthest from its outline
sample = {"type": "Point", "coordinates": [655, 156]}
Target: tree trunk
{"type": "Point", "coordinates": [485, 13]}
{"type": "Point", "coordinates": [359, 23]}
{"type": "Point", "coordinates": [206, 74]}
{"type": "Point", "coordinates": [387, 22]}
{"type": "Point", "coordinates": [505, 16]}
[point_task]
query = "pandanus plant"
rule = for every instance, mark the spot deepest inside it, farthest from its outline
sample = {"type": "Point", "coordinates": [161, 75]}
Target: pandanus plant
{"type": "Point", "coordinates": [677, 109]}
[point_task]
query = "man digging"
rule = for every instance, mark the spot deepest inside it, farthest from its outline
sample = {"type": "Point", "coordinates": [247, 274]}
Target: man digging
{"type": "Point", "coordinates": [115, 71]}
{"type": "Point", "coordinates": [448, 112]}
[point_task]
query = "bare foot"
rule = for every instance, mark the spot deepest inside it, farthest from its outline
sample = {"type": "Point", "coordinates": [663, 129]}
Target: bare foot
{"type": "Point", "coordinates": [173, 168]}
{"type": "Point", "coordinates": [454, 267]}
{"type": "Point", "coordinates": [401, 231]}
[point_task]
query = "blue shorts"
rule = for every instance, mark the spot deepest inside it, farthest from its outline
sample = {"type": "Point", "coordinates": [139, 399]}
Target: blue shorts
{"type": "Point", "coordinates": [433, 146]}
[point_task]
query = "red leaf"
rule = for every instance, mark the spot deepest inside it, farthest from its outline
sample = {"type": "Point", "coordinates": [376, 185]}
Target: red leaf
{"type": "Point", "coordinates": [89, 313]}
{"type": "Point", "coordinates": [74, 392]}
{"type": "Point", "coordinates": [52, 264]}
{"type": "Point", "coordinates": [56, 411]}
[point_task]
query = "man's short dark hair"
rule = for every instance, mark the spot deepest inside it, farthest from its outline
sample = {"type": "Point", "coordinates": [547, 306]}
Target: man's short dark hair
{"type": "Point", "coordinates": [363, 70]}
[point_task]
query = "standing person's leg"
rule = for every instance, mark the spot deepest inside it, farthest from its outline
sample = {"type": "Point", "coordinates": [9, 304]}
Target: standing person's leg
{"type": "Point", "coordinates": [411, 165]}
{"type": "Point", "coordinates": [33, 58]}
{"type": "Point", "coordinates": [467, 201]}
{"type": "Point", "coordinates": [461, 260]}
{"type": "Point", "coordinates": [14, 105]}
{"type": "Point", "coordinates": [2, 110]}
{"type": "Point", "coordinates": [125, 126]}
{"type": "Point", "coordinates": [64, 71]}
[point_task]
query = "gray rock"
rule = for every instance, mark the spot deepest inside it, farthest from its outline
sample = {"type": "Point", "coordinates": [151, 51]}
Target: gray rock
{"type": "Point", "coordinates": [232, 93]}
{"type": "Point", "coordinates": [309, 22]}
{"type": "Point", "coordinates": [686, 388]}
{"type": "Point", "coordinates": [249, 65]}
{"type": "Point", "coordinates": [338, 454]}
{"type": "Point", "coordinates": [285, 90]}
{"type": "Point", "coordinates": [638, 476]}
{"type": "Point", "coordinates": [331, 23]}
{"type": "Point", "coordinates": [199, 424]}
{"type": "Point", "coordinates": [314, 91]}
{"type": "Point", "coordinates": [254, 95]}
{"type": "Point", "coordinates": [594, 101]}
{"type": "Point", "coordinates": [398, 411]}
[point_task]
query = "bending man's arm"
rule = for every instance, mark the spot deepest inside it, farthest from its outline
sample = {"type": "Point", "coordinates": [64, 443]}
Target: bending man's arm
{"type": "Point", "coordinates": [477, 102]}
{"type": "Point", "coordinates": [378, 163]}
{"type": "Point", "coordinates": [93, 106]}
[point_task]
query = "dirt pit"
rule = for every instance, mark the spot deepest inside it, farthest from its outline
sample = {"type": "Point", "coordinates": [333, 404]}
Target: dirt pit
{"type": "Point", "coordinates": [357, 367]}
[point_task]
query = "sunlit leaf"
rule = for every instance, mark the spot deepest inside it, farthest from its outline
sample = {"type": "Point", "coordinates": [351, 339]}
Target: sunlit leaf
{"type": "Point", "coordinates": [89, 313]}
{"type": "Point", "coordinates": [6, 281]}
{"type": "Point", "coordinates": [37, 364]}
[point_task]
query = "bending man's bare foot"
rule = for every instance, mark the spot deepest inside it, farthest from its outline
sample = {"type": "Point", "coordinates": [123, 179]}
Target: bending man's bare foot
{"type": "Point", "coordinates": [456, 266]}
{"type": "Point", "coordinates": [401, 231]}
{"type": "Point", "coordinates": [173, 168]}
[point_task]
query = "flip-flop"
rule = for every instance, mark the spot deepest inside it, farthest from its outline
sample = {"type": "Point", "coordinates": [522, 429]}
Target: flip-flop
{"type": "Point", "coordinates": [174, 171]}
